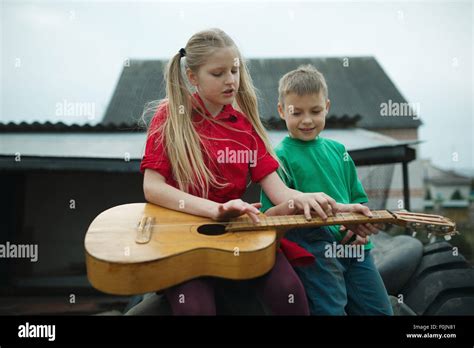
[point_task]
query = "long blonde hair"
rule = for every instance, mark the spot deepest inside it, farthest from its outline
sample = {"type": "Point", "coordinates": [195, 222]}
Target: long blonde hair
{"type": "Point", "coordinates": [180, 139]}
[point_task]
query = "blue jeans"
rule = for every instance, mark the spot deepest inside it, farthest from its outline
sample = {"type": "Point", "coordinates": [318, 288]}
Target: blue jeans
{"type": "Point", "coordinates": [339, 285]}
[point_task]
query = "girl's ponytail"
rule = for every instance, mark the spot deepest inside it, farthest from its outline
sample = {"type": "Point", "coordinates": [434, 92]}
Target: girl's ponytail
{"type": "Point", "coordinates": [177, 133]}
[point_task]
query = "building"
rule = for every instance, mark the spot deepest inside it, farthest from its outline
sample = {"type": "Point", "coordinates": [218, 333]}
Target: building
{"type": "Point", "coordinates": [445, 187]}
{"type": "Point", "coordinates": [361, 95]}
{"type": "Point", "coordinates": [56, 178]}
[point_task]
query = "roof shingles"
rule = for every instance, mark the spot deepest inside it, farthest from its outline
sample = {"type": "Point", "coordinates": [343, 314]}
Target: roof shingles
{"type": "Point", "coordinates": [357, 86]}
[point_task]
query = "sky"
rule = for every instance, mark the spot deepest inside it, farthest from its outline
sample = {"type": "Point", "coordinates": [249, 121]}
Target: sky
{"type": "Point", "coordinates": [55, 54]}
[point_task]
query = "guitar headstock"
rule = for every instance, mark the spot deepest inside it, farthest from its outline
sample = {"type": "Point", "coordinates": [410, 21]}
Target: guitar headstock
{"type": "Point", "coordinates": [432, 224]}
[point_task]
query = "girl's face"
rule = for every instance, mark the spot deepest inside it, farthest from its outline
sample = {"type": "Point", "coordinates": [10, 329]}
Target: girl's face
{"type": "Point", "coordinates": [217, 80]}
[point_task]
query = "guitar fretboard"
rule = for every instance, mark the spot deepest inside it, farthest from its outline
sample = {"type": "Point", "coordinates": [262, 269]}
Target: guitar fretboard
{"type": "Point", "coordinates": [294, 221]}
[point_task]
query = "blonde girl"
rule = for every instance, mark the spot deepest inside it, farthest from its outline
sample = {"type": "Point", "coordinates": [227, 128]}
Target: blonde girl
{"type": "Point", "coordinates": [209, 117]}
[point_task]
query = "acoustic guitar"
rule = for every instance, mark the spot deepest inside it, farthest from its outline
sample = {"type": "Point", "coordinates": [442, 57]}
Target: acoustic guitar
{"type": "Point", "coordinates": [141, 247]}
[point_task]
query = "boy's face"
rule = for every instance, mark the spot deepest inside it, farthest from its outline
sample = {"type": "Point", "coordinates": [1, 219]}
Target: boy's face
{"type": "Point", "coordinates": [305, 116]}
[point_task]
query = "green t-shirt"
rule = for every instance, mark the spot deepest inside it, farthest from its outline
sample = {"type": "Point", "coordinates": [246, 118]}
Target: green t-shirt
{"type": "Point", "coordinates": [319, 165]}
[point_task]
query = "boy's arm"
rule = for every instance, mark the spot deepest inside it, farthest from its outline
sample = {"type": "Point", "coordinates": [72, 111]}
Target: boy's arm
{"type": "Point", "coordinates": [358, 196]}
{"type": "Point", "coordinates": [356, 190]}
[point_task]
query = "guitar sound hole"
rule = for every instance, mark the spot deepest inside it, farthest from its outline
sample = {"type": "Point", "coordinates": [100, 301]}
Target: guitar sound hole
{"type": "Point", "coordinates": [211, 229]}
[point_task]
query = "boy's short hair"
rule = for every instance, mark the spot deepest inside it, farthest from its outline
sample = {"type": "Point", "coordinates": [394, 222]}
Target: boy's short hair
{"type": "Point", "coordinates": [302, 81]}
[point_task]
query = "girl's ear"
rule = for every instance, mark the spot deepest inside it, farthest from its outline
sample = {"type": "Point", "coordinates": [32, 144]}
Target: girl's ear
{"type": "Point", "coordinates": [280, 111]}
{"type": "Point", "coordinates": [192, 77]}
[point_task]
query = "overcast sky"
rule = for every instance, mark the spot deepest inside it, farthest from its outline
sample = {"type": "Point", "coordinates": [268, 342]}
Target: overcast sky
{"type": "Point", "coordinates": [73, 52]}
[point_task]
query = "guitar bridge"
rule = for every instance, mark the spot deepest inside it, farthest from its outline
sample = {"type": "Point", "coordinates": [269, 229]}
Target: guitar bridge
{"type": "Point", "coordinates": [144, 230]}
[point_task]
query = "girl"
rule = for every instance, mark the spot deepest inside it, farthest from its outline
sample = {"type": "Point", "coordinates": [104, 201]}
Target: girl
{"type": "Point", "coordinates": [193, 162]}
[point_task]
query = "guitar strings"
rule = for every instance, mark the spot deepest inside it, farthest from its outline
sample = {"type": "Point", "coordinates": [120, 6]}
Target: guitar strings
{"type": "Point", "coordinates": [296, 220]}
{"type": "Point", "coordinates": [291, 219]}
{"type": "Point", "coordinates": [272, 224]}
{"type": "Point", "coordinates": [294, 224]}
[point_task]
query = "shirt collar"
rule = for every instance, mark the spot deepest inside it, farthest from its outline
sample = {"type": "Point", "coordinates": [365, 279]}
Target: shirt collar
{"type": "Point", "coordinates": [298, 142]}
{"type": "Point", "coordinates": [227, 113]}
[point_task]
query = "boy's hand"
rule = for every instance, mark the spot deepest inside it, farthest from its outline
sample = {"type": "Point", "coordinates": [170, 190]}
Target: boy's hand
{"type": "Point", "coordinates": [357, 241]}
{"type": "Point", "coordinates": [236, 207]}
{"type": "Point", "coordinates": [321, 204]}
{"type": "Point", "coordinates": [363, 230]}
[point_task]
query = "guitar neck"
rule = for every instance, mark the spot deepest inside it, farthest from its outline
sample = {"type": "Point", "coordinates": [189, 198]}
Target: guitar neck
{"type": "Point", "coordinates": [286, 222]}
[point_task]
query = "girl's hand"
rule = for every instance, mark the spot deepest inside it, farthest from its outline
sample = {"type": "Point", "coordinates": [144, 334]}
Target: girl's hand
{"type": "Point", "coordinates": [236, 207]}
{"type": "Point", "coordinates": [319, 202]}
{"type": "Point", "coordinates": [354, 208]}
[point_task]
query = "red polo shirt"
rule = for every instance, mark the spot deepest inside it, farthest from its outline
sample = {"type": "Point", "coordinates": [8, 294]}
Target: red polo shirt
{"type": "Point", "coordinates": [232, 154]}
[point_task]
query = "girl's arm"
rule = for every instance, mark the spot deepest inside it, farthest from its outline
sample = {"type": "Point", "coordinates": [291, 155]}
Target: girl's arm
{"type": "Point", "coordinates": [157, 191]}
{"type": "Point", "coordinates": [276, 190]}
{"type": "Point", "coordinates": [303, 203]}
{"type": "Point", "coordinates": [281, 209]}
{"type": "Point", "coordinates": [288, 201]}
{"type": "Point", "coordinates": [280, 195]}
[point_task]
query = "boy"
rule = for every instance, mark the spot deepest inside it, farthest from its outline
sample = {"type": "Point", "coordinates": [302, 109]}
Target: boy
{"type": "Point", "coordinates": [337, 283]}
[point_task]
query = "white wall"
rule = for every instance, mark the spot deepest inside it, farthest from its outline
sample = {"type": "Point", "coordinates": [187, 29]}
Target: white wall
{"type": "Point", "coordinates": [445, 192]}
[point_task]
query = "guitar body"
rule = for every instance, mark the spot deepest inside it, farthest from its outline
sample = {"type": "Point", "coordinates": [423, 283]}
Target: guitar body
{"type": "Point", "coordinates": [169, 248]}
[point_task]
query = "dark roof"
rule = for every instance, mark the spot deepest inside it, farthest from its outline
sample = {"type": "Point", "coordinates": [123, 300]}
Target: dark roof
{"type": "Point", "coordinates": [357, 89]}
{"type": "Point", "coordinates": [60, 127]}
{"type": "Point", "coordinates": [138, 126]}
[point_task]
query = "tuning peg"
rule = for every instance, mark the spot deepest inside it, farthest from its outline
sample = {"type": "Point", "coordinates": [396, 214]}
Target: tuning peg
{"type": "Point", "coordinates": [415, 226]}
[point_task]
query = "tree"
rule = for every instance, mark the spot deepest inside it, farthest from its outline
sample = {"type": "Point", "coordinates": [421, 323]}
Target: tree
{"type": "Point", "coordinates": [457, 196]}
{"type": "Point", "coordinates": [428, 195]}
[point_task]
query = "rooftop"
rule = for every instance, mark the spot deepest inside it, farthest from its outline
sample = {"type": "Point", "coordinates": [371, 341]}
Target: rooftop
{"type": "Point", "coordinates": [358, 86]}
